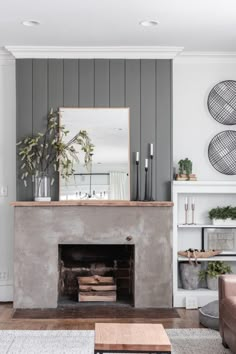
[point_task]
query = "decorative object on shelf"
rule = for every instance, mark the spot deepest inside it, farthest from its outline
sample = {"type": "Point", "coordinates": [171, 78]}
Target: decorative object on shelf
{"type": "Point", "coordinates": [222, 239]}
{"type": "Point", "coordinates": [151, 171]}
{"type": "Point", "coordinates": [221, 102]}
{"type": "Point", "coordinates": [185, 171]}
{"type": "Point", "coordinates": [195, 253]}
{"type": "Point", "coordinates": [46, 151]}
{"type": "Point", "coordinates": [189, 275]}
{"type": "Point", "coordinates": [146, 181]}
{"type": "Point", "coordinates": [137, 176]}
{"type": "Point", "coordinates": [211, 273]}
{"type": "Point", "coordinates": [193, 211]}
{"type": "Point", "coordinates": [223, 216]}
{"type": "Point", "coordinates": [222, 151]}
{"type": "Point", "coordinates": [186, 211]}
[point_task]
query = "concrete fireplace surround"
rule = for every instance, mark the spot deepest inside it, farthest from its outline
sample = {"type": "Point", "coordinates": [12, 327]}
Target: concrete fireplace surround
{"type": "Point", "coordinates": [41, 227]}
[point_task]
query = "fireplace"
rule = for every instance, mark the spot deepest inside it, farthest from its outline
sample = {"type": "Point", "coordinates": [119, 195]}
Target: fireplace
{"type": "Point", "coordinates": [42, 231]}
{"type": "Point", "coordinates": [113, 263]}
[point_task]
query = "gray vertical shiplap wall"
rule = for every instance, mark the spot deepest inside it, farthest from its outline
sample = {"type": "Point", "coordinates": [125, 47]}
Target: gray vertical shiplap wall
{"type": "Point", "coordinates": [142, 85]}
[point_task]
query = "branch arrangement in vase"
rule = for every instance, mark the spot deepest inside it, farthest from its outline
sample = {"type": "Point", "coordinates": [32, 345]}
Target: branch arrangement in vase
{"type": "Point", "coordinates": [41, 152]}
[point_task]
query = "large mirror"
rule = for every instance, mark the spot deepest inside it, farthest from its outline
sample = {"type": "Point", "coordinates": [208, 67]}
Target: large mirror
{"type": "Point", "coordinates": [107, 177]}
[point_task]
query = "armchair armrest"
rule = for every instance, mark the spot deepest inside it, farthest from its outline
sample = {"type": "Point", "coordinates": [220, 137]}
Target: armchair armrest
{"type": "Point", "coordinates": [227, 286]}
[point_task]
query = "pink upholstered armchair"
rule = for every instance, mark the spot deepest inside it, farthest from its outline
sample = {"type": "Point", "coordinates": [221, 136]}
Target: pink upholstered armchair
{"type": "Point", "coordinates": [227, 304]}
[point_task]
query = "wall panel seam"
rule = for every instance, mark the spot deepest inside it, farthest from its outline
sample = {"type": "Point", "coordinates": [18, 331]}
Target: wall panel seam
{"type": "Point", "coordinates": [155, 148]}
{"type": "Point", "coordinates": [78, 79]}
{"type": "Point", "coordinates": [94, 91]}
{"type": "Point", "coordinates": [32, 93]}
{"type": "Point", "coordinates": [125, 103]}
{"type": "Point", "coordinates": [140, 124]}
{"type": "Point", "coordinates": [109, 83]}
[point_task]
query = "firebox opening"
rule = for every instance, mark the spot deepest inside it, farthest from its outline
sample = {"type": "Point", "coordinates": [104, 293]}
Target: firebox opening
{"type": "Point", "coordinates": [111, 266]}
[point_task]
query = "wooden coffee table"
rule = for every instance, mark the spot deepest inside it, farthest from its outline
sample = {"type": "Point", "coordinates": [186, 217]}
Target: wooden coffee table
{"type": "Point", "coordinates": [131, 338]}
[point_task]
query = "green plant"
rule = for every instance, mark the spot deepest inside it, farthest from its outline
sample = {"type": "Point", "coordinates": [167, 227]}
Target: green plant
{"type": "Point", "coordinates": [40, 152]}
{"type": "Point", "coordinates": [185, 167]}
{"type": "Point", "coordinates": [227, 212]}
{"type": "Point", "coordinates": [214, 269]}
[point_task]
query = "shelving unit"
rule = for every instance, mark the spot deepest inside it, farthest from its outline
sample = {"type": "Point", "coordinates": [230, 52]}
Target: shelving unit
{"type": "Point", "coordinates": [207, 195]}
{"type": "Point", "coordinates": [216, 258]}
{"type": "Point", "coordinates": [205, 226]}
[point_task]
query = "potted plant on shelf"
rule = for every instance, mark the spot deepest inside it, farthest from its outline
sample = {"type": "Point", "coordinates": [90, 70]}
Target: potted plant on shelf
{"type": "Point", "coordinates": [223, 215]}
{"type": "Point", "coordinates": [185, 171]}
{"type": "Point", "coordinates": [45, 153]}
{"type": "Point", "coordinates": [211, 273]}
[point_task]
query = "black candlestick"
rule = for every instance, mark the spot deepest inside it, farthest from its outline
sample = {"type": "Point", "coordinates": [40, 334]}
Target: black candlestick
{"type": "Point", "coordinates": [151, 168]}
{"type": "Point", "coordinates": [146, 184]}
{"type": "Point", "coordinates": [137, 180]}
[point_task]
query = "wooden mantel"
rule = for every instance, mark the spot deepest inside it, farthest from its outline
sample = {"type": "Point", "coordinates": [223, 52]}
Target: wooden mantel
{"type": "Point", "coordinates": [103, 203]}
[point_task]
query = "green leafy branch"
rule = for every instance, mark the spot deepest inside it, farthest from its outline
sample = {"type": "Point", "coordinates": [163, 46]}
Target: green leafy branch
{"type": "Point", "coordinates": [40, 152]}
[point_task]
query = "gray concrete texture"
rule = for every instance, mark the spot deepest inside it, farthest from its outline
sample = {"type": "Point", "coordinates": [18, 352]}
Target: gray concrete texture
{"type": "Point", "coordinates": [39, 231]}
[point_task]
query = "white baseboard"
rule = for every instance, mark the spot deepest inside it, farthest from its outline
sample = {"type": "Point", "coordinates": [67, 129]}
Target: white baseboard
{"type": "Point", "coordinates": [6, 293]}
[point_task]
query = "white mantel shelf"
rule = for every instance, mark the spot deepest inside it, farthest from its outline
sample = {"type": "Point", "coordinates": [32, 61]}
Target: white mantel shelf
{"type": "Point", "coordinates": [112, 203]}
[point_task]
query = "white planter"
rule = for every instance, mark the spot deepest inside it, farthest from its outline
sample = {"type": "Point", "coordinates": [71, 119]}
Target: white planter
{"type": "Point", "coordinates": [226, 222]}
{"type": "Point", "coordinates": [212, 283]}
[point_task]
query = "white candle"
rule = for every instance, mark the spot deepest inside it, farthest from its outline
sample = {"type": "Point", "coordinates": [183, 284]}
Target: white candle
{"type": "Point", "coordinates": [137, 156]}
{"type": "Point", "coordinates": [151, 149]}
{"type": "Point", "coordinates": [186, 200]}
{"type": "Point", "coordinates": [146, 163]}
{"type": "Point", "coordinates": [193, 201]}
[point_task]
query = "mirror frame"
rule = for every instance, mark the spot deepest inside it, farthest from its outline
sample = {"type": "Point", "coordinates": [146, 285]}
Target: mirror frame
{"type": "Point", "coordinates": [61, 109]}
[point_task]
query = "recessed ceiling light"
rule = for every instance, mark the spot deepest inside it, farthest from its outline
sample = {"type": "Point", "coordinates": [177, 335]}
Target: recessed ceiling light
{"type": "Point", "coordinates": [149, 23]}
{"type": "Point", "coordinates": [30, 23]}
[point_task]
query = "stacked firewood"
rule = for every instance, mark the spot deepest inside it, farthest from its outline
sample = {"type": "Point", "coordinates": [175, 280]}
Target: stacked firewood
{"type": "Point", "coordinates": [96, 288]}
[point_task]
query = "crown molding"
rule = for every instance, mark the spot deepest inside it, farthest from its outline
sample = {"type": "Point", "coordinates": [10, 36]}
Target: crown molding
{"type": "Point", "coordinates": [5, 56]}
{"type": "Point", "coordinates": [194, 56]}
{"type": "Point", "coordinates": [142, 52]}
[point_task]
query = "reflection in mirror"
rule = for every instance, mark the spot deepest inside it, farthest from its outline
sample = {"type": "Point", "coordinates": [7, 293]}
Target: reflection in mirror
{"type": "Point", "coordinates": [108, 174]}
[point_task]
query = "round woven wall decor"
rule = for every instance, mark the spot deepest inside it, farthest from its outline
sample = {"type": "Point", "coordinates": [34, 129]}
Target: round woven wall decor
{"type": "Point", "coordinates": [222, 152]}
{"type": "Point", "coordinates": [222, 102]}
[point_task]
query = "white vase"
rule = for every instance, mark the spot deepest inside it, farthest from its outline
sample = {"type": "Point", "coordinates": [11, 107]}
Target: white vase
{"type": "Point", "coordinates": [225, 222]}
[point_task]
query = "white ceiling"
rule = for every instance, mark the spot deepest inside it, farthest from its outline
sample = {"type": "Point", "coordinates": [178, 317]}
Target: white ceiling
{"type": "Point", "coordinates": [197, 25]}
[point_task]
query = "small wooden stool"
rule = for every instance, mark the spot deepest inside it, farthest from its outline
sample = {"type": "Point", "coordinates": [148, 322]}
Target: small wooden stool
{"type": "Point", "coordinates": [131, 338]}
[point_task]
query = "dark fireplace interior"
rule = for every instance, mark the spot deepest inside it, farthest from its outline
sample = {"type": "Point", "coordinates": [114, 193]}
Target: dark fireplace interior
{"type": "Point", "coordinates": [115, 261]}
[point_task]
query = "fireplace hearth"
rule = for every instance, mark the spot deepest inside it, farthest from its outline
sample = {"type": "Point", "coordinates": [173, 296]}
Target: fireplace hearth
{"type": "Point", "coordinates": [110, 265]}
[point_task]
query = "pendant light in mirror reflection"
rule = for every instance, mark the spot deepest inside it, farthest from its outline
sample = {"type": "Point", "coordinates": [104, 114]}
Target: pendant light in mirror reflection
{"type": "Point", "coordinates": [107, 177]}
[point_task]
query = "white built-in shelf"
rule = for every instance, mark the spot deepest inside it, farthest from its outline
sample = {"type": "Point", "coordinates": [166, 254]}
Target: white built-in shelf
{"type": "Point", "coordinates": [201, 291]}
{"type": "Point", "coordinates": [211, 259]}
{"type": "Point", "coordinates": [197, 226]}
{"type": "Point", "coordinates": [204, 183]}
{"type": "Point", "coordinates": [194, 235]}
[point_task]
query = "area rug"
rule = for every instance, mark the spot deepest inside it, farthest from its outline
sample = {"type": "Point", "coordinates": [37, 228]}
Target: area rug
{"type": "Point", "coordinates": [184, 341]}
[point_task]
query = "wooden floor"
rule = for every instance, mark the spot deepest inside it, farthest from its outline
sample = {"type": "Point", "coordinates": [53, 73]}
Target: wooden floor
{"type": "Point", "coordinates": [186, 319]}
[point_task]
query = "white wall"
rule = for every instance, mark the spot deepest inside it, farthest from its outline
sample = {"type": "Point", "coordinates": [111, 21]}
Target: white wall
{"type": "Point", "coordinates": [193, 126]}
{"type": "Point", "coordinates": [7, 173]}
